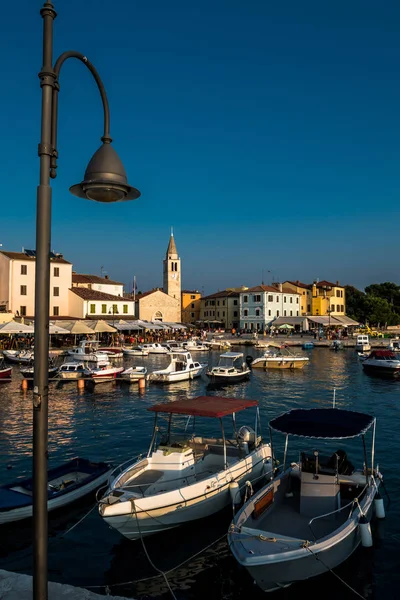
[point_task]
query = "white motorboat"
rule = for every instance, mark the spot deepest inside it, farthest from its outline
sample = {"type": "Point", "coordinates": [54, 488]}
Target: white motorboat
{"type": "Point", "coordinates": [309, 519]}
{"type": "Point", "coordinates": [134, 351]}
{"type": "Point", "coordinates": [230, 369]}
{"type": "Point", "coordinates": [103, 372]}
{"type": "Point", "coordinates": [154, 348]}
{"type": "Point", "coordinates": [88, 351]}
{"type": "Point", "coordinates": [133, 373]}
{"type": "Point", "coordinates": [362, 344]}
{"type": "Point", "coordinates": [394, 345]}
{"type": "Point", "coordinates": [112, 351]}
{"type": "Point", "coordinates": [218, 344]}
{"type": "Point", "coordinates": [181, 368]}
{"type": "Point", "coordinates": [19, 356]}
{"type": "Point", "coordinates": [186, 477]}
{"type": "Point", "coordinates": [195, 346]}
{"type": "Point", "coordinates": [278, 356]}
{"type": "Point", "coordinates": [173, 346]}
{"type": "Point", "coordinates": [382, 362]}
{"type": "Point", "coordinates": [29, 371]}
{"type": "Point", "coordinates": [72, 370]}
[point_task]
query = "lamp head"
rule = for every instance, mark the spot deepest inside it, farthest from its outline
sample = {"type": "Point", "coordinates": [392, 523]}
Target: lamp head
{"type": "Point", "coordinates": [105, 179]}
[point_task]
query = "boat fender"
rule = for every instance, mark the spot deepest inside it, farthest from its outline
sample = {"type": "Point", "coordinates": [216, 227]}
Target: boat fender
{"type": "Point", "coordinates": [379, 507]}
{"type": "Point", "coordinates": [365, 531]}
{"type": "Point", "coordinates": [234, 491]}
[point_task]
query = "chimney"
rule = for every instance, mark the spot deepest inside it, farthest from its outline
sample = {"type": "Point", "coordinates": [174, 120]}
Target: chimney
{"type": "Point", "coordinates": [106, 277]}
{"type": "Point", "coordinates": [338, 283]}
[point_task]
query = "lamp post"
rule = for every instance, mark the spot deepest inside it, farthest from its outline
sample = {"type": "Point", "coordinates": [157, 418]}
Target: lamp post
{"type": "Point", "coordinates": [104, 181]}
{"type": "Point", "coordinates": [113, 311]}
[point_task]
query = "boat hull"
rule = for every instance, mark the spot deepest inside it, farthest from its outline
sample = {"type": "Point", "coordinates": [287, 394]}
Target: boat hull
{"type": "Point", "coordinates": [176, 376]}
{"type": "Point", "coordinates": [382, 370]}
{"type": "Point", "coordinates": [5, 373]}
{"type": "Point", "coordinates": [227, 379]}
{"type": "Point", "coordinates": [278, 363]}
{"type": "Point", "coordinates": [153, 514]}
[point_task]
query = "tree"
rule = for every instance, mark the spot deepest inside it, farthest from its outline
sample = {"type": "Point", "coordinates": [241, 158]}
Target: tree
{"type": "Point", "coordinates": [355, 303]}
{"type": "Point", "coordinates": [379, 311]}
{"type": "Point", "coordinates": [388, 291]}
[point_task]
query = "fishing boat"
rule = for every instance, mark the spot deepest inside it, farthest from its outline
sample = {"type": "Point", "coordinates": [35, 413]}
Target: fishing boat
{"type": "Point", "coordinates": [278, 356]}
{"type": "Point", "coordinates": [134, 351]}
{"type": "Point", "coordinates": [103, 372]}
{"type": "Point", "coordinates": [72, 370]}
{"type": "Point", "coordinates": [5, 372]}
{"type": "Point", "coordinates": [88, 351]}
{"type": "Point", "coordinates": [230, 369]}
{"type": "Point", "coordinates": [312, 516]}
{"type": "Point", "coordinates": [19, 356]}
{"type": "Point", "coordinates": [185, 476]}
{"type": "Point", "coordinates": [66, 484]}
{"type": "Point", "coordinates": [133, 374]}
{"type": "Point", "coordinates": [382, 362]}
{"type": "Point", "coordinates": [362, 344]}
{"type": "Point", "coordinates": [181, 368]}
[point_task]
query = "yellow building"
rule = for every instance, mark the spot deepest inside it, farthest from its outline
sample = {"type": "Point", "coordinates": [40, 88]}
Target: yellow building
{"type": "Point", "coordinates": [328, 299]}
{"type": "Point", "coordinates": [190, 302]}
{"type": "Point", "coordinates": [304, 290]}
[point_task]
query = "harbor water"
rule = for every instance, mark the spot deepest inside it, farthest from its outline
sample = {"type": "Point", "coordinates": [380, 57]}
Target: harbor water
{"type": "Point", "coordinates": [111, 423]}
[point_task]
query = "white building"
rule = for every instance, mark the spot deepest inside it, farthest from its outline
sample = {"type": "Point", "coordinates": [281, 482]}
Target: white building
{"type": "Point", "coordinates": [85, 303]}
{"type": "Point", "coordinates": [17, 283]}
{"type": "Point", "coordinates": [100, 284]}
{"type": "Point", "coordinates": [261, 304]}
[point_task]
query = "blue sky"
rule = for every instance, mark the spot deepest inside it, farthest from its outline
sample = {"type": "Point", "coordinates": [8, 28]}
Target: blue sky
{"type": "Point", "coordinates": [267, 134]}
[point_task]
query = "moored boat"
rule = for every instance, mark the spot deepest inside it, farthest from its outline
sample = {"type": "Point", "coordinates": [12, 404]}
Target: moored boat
{"type": "Point", "coordinates": [181, 368]}
{"type": "Point", "coordinates": [28, 372]}
{"type": "Point", "coordinates": [5, 372]}
{"type": "Point", "coordinates": [133, 374]}
{"type": "Point", "coordinates": [72, 370]}
{"type": "Point", "coordinates": [185, 476]}
{"type": "Point", "coordinates": [362, 344]}
{"type": "Point", "coordinates": [311, 517]}
{"type": "Point", "coordinates": [66, 484]}
{"type": "Point", "coordinates": [103, 372]}
{"type": "Point", "coordinates": [19, 356]}
{"type": "Point", "coordinates": [382, 362]}
{"type": "Point", "coordinates": [154, 348]}
{"type": "Point", "coordinates": [112, 351]}
{"type": "Point", "coordinates": [230, 369]}
{"type": "Point", "coordinates": [134, 351]}
{"type": "Point", "coordinates": [88, 351]}
{"type": "Point", "coordinates": [278, 356]}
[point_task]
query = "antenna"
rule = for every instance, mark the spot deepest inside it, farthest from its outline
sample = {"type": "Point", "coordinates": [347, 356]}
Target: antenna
{"type": "Point", "coordinates": [172, 230]}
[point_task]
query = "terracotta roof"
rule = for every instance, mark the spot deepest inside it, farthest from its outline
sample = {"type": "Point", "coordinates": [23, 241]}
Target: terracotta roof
{"type": "Point", "coordinates": [260, 288]}
{"type": "Point", "coordinates": [140, 296]}
{"type": "Point", "coordinates": [172, 246]}
{"type": "Point", "coordinates": [204, 406]}
{"type": "Point", "coordinates": [87, 294]}
{"type": "Point", "coordinates": [24, 257]}
{"type": "Point", "coordinates": [223, 294]}
{"type": "Point", "coordinates": [80, 278]}
{"type": "Point", "coordinates": [325, 283]}
{"type": "Point", "coordinates": [299, 284]}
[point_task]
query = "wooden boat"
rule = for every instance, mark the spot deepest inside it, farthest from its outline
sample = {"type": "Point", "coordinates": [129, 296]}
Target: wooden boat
{"type": "Point", "coordinates": [66, 483]}
{"type": "Point", "coordinates": [133, 374]}
{"type": "Point", "coordinates": [278, 356]}
{"type": "Point", "coordinates": [181, 368]}
{"type": "Point", "coordinates": [186, 477]}
{"type": "Point", "coordinates": [309, 519]}
{"type": "Point", "coordinates": [229, 369]}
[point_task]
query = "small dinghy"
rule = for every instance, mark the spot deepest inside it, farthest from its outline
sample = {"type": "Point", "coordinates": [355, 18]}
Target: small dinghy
{"type": "Point", "coordinates": [28, 372]}
{"type": "Point", "coordinates": [134, 351]}
{"type": "Point", "coordinates": [133, 374]}
{"type": "Point", "coordinates": [5, 372]}
{"type": "Point", "coordinates": [19, 356]}
{"type": "Point", "coordinates": [67, 483]}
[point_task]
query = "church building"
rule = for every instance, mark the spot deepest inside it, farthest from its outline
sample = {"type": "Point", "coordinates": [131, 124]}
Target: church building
{"type": "Point", "coordinates": [163, 304]}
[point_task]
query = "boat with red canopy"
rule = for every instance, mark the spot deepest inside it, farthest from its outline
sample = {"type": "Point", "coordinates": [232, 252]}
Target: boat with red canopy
{"type": "Point", "coordinates": [186, 476]}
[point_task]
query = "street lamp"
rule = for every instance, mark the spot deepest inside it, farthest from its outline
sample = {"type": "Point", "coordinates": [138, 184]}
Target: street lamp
{"type": "Point", "coordinates": [113, 312]}
{"type": "Point", "coordinates": [104, 181]}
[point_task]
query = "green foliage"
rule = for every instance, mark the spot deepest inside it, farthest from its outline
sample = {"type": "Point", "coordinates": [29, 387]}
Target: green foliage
{"type": "Point", "coordinates": [379, 305]}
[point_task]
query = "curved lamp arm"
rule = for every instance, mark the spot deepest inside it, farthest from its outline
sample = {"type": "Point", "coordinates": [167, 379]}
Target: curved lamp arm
{"type": "Point", "coordinates": [106, 139]}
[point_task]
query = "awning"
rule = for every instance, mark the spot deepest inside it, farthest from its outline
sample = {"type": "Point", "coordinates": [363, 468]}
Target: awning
{"type": "Point", "coordinates": [128, 326]}
{"type": "Point", "coordinates": [204, 406]}
{"type": "Point", "coordinates": [346, 321]}
{"type": "Point", "coordinates": [322, 423]}
{"type": "Point", "coordinates": [15, 327]}
{"type": "Point", "coordinates": [100, 326]}
{"type": "Point", "coordinates": [289, 321]}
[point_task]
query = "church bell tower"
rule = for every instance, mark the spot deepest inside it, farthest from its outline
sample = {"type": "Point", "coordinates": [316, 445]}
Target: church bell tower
{"type": "Point", "coordinates": [172, 272]}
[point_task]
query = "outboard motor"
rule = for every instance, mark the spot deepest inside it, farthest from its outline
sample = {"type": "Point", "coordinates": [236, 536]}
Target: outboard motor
{"type": "Point", "coordinates": [249, 360]}
{"type": "Point", "coordinates": [246, 436]}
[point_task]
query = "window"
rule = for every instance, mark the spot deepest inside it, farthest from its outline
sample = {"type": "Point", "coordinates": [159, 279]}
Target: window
{"type": "Point", "coordinates": [245, 326]}
{"type": "Point", "coordinates": [284, 313]}
{"type": "Point", "coordinates": [114, 309]}
{"type": "Point", "coordinates": [277, 313]}
{"type": "Point", "coordinates": [338, 308]}
{"type": "Point", "coordinates": [269, 313]}
{"type": "Point", "coordinates": [277, 298]}
{"type": "Point", "coordinates": [24, 269]}
{"type": "Point", "coordinates": [22, 311]}
{"type": "Point", "coordinates": [245, 298]}
{"type": "Point", "coordinates": [337, 293]}
{"type": "Point", "coordinates": [342, 306]}
{"type": "Point", "coordinates": [341, 293]}
{"type": "Point", "coordinates": [56, 272]}
{"type": "Point", "coordinates": [257, 298]}
{"type": "Point", "coordinates": [270, 298]}
{"type": "Point", "coordinates": [297, 300]}
{"type": "Point", "coordinates": [192, 315]}
{"type": "Point", "coordinates": [217, 302]}
{"type": "Point", "coordinates": [284, 298]}
{"type": "Point", "coordinates": [93, 309]}
{"type": "Point", "coordinates": [218, 314]}
{"type": "Point", "coordinates": [304, 293]}
{"type": "Point", "coordinates": [235, 313]}
{"type": "Point", "coordinates": [192, 297]}
{"type": "Point", "coordinates": [223, 313]}
{"type": "Point", "coordinates": [223, 302]}
{"type": "Point", "coordinates": [308, 307]}
{"type": "Point", "coordinates": [257, 312]}
{"type": "Point", "coordinates": [23, 290]}
{"type": "Point", "coordinates": [56, 311]}
{"type": "Point", "coordinates": [104, 309]}
{"type": "Point", "coordinates": [291, 299]}
{"type": "Point", "coordinates": [291, 313]}
{"type": "Point", "coordinates": [125, 309]}
{"type": "Point", "coordinates": [297, 313]}
{"type": "Point", "coordinates": [56, 291]}
{"type": "Point", "coordinates": [245, 312]}
{"type": "Point", "coordinates": [235, 303]}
